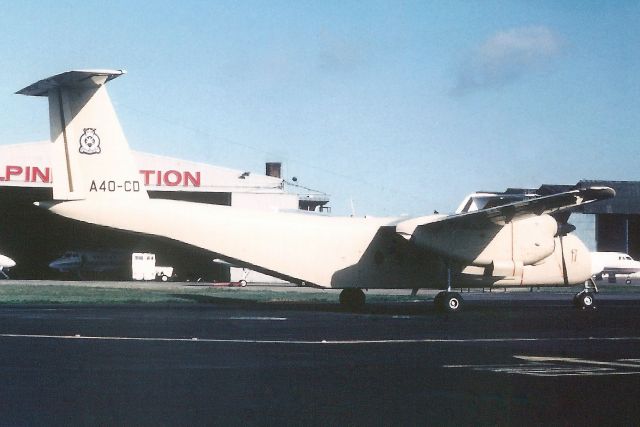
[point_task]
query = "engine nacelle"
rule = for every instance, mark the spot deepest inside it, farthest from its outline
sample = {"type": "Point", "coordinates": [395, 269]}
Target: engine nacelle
{"type": "Point", "coordinates": [534, 238]}
{"type": "Point", "coordinates": [506, 269]}
{"type": "Point", "coordinates": [528, 241]}
{"type": "Point", "coordinates": [569, 264]}
{"type": "Point", "coordinates": [571, 261]}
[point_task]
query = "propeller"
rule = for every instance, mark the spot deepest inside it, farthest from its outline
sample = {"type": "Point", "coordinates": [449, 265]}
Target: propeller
{"type": "Point", "coordinates": [564, 228]}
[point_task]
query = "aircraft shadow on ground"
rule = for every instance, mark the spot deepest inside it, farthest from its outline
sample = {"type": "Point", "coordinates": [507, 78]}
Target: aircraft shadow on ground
{"type": "Point", "coordinates": [394, 308]}
{"type": "Point", "coordinates": [385, 308]}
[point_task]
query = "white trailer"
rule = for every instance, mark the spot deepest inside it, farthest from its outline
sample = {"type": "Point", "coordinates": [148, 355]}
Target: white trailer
{"type": "Point", "coordinates": [143, 267]}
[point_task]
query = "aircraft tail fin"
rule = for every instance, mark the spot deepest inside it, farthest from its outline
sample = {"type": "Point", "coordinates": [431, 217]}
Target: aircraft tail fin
{"type": "Point", "coordinates": [91, 154]}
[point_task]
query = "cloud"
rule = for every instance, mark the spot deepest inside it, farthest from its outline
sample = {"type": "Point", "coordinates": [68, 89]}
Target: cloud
{"type": "Point", "coordinates": [507, 56]}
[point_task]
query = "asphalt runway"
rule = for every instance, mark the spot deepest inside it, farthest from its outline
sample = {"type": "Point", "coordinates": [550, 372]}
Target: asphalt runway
{"type": "Point", "coordinates": [508, 359]}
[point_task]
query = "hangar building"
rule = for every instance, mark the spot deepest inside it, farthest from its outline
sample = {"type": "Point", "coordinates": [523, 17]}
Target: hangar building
{"type": "Point", "coordinates": [34, 237]}
{"type": "Point", "coordinates": [617, 220]}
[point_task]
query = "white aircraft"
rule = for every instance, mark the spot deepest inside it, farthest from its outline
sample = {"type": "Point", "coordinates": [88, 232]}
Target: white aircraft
{"type": "Point", "coordinates": [516, 245]}
{"type": "Point", "coordinates": [612, 263]}
{"type": "Point", "coordinates": [84, 262]}
{"type": "Point", "coordinates": [5, 263]}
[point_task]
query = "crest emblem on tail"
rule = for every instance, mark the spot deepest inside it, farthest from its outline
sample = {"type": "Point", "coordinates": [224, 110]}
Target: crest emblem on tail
{"type": "Point", "coordinates": [89, 142]}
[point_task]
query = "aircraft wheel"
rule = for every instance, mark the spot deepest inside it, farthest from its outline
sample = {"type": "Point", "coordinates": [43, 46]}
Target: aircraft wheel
{"type": "Point", "coordinates": [585, 300]}
{"type": "Point", "coordinates": [628, 281]}
{"type": "Point", "coordinates": [164, 278]}
{"type": "Point", "coordinates": [352, 298]}
{"type": "Point", "coordinates": [448, 301]}
{"type": "Point", "coordinates": [243, 283]}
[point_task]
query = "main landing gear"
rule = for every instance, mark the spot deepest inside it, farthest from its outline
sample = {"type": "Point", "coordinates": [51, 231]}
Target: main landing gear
{"type": "Point", "coordinates": [585, 299]}
{"type": "Point", "coordinates": [448, 301]}
{"type": "Point", "coordinates": [352, 298]}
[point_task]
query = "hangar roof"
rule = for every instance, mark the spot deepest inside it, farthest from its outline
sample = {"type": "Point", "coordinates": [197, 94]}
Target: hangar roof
{"type": "Point", "coordinates": [626, 201]}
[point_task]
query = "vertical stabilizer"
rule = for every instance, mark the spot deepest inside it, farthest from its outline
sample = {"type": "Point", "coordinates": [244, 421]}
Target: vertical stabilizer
{"type": "Point", "coordinates": [91, 156]}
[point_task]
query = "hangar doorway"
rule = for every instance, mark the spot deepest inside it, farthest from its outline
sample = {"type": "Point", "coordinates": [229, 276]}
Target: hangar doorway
{"type": "Point", "coordinates": [618, 233]}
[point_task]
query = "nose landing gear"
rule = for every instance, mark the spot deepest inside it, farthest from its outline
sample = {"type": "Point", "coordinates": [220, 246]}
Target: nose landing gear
{"type": "Point", "coordinates": [585, 299]}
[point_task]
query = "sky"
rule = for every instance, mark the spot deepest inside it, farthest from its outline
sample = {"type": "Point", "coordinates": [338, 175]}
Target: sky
{"type": "Point", "coordinates": [392, 107]}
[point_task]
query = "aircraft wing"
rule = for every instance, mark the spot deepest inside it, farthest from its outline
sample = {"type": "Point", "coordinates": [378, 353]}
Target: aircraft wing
{"type": "Point", "coordinates": [501, 215]}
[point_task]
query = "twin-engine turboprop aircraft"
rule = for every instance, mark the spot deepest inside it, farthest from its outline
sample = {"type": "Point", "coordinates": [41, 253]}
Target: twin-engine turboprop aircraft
{"type": "Point", "coordinates": [93, 263]}
{"type": "Point", "coordinates": [516, 245]}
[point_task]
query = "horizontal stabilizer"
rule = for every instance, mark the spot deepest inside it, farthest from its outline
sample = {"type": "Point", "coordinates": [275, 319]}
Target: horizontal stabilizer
{"type": "Point", "coordinates": [76, 78]}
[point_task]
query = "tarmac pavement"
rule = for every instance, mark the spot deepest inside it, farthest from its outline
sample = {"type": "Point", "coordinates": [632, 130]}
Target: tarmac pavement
{"type": "Point", "coordinates": [507, 359]}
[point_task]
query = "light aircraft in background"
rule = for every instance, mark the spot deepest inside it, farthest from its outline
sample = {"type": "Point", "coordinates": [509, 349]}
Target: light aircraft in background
{"type": "Point", "coordinates": [83, 263]}
{"type": "Point", "coordinates": [5, 263]}
{"type": "Point", "coordinates": [612, 263]}
{"type": "Point", "coordinates": [518, 244]}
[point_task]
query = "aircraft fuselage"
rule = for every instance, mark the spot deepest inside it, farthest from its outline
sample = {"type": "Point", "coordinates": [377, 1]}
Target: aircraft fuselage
{"type": "Point", "coordinates": [328, 252]}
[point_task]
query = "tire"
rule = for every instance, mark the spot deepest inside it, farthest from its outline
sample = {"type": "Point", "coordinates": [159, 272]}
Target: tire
{"type": "Point", "coordinates": [585, 300]}
{"type": "Point", "coordinates": [352, 298]}
{"type": "Point", "coordinates": [448, 302]}
{"type": "Point", "coordinates": [243, 283]}
{"type": "Point", "coordinates": [453, 302]}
